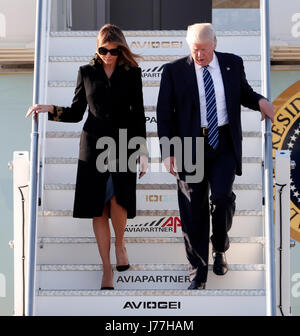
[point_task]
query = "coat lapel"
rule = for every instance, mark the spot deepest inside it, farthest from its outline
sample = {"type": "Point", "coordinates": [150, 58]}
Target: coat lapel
{"type": "Point", "coordinates": [226, 77]}
{"type": "Point", "coordinates": [191, 79]}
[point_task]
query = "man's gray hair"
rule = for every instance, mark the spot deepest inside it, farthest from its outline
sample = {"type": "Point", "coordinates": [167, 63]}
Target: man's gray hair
{"type": "Point", "coordinates": [200, 33]}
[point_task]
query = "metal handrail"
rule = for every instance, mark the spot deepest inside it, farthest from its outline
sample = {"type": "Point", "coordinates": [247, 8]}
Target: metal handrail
{"type": "Point", "coordinates": [268, 169]}
{"type": "Point", "coordinates": [69, 21]}
{"type": "Point", "coordinates": [33, 186]}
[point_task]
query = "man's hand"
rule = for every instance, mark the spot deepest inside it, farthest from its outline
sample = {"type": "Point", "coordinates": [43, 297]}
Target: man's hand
{"type": "Point", "coordinates": [266, 109]}
{"type": "Point", "coordinates": [170, 164]}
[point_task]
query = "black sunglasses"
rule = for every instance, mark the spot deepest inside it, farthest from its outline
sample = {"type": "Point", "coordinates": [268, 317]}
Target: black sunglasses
{"type": "Point", "coordinates": [113, 52]}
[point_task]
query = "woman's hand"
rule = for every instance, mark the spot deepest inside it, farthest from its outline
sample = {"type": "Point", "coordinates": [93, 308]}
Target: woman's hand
{"type": "Point", "coordinates": [39, 109]}
{"type": "Point", "coordinates": [143, 166]}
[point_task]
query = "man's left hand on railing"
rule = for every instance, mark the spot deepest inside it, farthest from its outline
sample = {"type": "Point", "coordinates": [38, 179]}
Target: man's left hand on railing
{"type": "Point", "coordinates": [266, 109]}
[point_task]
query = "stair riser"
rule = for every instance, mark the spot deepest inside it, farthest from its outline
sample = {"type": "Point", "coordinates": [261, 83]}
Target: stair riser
{"type": "Point", "coordinates": [153, 45]}
{"type": "Point", "coordinates": [140, 253]}
{"type": "Point", "coordinates": [151, 199]}
{"type": "Point", "coordinates": [250, 120]}
{"type": "Point", "coordinates": [66, 173]}
{"type": "Point", "coordinates": [189, 306]}
{"type": "Point", "coordinates": [147, 280]}
{"type": "Point", "coordinates": [69, 147]}
{"type": "Point", "coordinates": [63, 95]}
{"type": "Point", "coordinates": [243, 226]}
{"type": "Point", "coordinates": [67, 71]}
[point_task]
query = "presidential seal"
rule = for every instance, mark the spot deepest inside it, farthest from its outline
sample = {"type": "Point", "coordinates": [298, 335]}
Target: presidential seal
{"type": "Point", "coordinates": [286, 136]}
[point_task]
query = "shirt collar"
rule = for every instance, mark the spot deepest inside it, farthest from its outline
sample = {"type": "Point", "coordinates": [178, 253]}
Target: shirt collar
{"type": "Point", "coordinates": [213, 64]}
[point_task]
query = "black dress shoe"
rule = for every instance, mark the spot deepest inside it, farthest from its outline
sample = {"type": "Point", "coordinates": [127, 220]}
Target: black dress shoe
{"type": "Point", "coordinates": [220, 264]}
{"type": "Point", "coordinates": [197, 285]}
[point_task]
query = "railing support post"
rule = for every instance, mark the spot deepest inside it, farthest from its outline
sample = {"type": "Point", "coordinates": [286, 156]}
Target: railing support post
{"type": "Point", "coordinates": [282, 231]}
{"type": "Point", "coordinates": [33, 186]}
{"type": "Point", "coordinates": [20, 168]}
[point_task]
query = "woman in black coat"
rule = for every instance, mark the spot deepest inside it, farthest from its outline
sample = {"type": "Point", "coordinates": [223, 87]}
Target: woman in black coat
{"type": "Point", "coordinates": [111, 86]}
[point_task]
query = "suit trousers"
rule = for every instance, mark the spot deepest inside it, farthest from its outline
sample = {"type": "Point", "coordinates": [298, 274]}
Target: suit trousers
{"type": "Point", "coordinates": [219, 174]}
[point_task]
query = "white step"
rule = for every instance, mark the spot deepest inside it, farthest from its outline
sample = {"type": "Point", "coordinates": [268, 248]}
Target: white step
{"type": "Point", "coordinates": [250, 123]}
{"type": "Point", "coordinates": [52, 226]}
{"type": "Point", "coordinates": [64, 169]}
{"type": "Point", "coordinates": [250, 120]}
{"type": "Point", "coordinates": [156, 43]}
{"type": "Point", "coordinates": [63, 94]}
{"type": "Point", "coordinates": [66, 68]}
{"type": "Point", "coordinates": [146, 277]}
{"type": "Point", "coordinates": [174, 303]}
{"type": "Point", "coordinates": [60, 147]}
{"type": "Point", "coordinates": [247, 250]}
{"type": "Point", "coordinates": [156, 199]}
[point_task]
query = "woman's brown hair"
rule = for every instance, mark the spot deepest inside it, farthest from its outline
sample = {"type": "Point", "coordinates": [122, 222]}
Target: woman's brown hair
{"type": "Point", "coordinates": [112, 33]}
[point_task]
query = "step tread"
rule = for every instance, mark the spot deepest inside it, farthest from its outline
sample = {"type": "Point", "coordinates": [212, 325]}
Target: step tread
{"type": "Point", "coordinates": [69, 213]}
{"type": "Point", "coordinates": [207, 292]}
{"type": "Point", "coordinates": [146, 83]}
{"type": "Point", "coordinates": [140, 186]}
{"type": "Point", "coordinates": [92, 240]}
{"type": "Point", "coordinates": [144, 33]}
{"type": "Point", "coordinates": [59, 59]}
{"type": "Point", "coordinates": [144, 267]}
{"type": "Point", "coordinates": [72, 160]}
{"type": "Point", "coordinates": [52, 134]}
{"type": "Point", "coordinates": [152, 109]}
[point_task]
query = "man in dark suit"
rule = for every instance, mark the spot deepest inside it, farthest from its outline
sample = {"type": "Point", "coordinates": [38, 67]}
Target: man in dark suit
{"type": "Point", "coordinates": [201, 96]}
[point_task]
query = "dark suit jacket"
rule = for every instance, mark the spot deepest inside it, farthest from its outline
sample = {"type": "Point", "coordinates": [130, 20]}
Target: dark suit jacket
{"type": "Point", "coordinates": [178, 107]}
{"type": "Point", "coordinates": [113, 104]}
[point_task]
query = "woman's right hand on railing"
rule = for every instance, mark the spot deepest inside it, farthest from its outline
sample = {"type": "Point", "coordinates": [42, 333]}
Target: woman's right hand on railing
{"type": "Point", "coordinates": [39, 109]}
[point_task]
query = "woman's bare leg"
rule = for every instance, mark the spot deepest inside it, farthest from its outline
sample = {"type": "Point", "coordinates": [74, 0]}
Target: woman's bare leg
{"type": "Point", "coordinates": [119, 217]}
{"type": "Point", "coordinates": [102, 234]}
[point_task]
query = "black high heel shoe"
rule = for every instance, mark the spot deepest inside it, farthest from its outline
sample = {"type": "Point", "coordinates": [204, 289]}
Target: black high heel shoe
{"type": "Point", "coordinates": [122, 268]}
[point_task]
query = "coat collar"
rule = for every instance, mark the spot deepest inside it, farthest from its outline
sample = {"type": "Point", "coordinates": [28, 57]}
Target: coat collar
{"type": "Point", "coordinates": [96, 64]}
{"type": "Point", "coordinates": [190, 60]}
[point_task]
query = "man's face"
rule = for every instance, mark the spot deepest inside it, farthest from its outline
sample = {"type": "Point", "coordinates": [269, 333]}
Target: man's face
{"type": "Point", "coordinates": [203, 53]}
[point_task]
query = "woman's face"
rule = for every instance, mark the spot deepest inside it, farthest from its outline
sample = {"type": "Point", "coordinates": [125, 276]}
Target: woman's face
{"type": "Point", "coordinates": [108, 59]}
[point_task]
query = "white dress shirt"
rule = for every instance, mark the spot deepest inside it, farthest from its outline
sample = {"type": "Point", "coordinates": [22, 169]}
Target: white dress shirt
{"type": "Point", "coordinates": [216, 75]}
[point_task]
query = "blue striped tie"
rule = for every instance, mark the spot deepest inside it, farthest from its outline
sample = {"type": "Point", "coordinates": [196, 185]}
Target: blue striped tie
{"type": "Point", "coordinates": [211, 109]}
